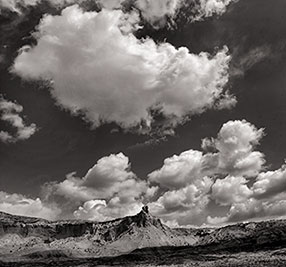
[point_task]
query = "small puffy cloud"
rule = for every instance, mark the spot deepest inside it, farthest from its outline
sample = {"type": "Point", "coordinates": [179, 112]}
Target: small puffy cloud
{"type": "Point", "coordinates": [208, 8]}
{"type": "Point", "coordinates": [20, 205]}
{"type": "Point", "coordinates": [157, 11]}
{"type": "Point", "coordinates": [90, 210]}
{"type": "Point", "coordinates": [235, 143]}
{"type": "Point", "coordinates": [270, 183]}
{"type": "Point", "coordinates": [9, 112]}
{"type": "Point", "coordinates": [230, 190]}
{"type": "Point", "coordinates": [99, 210]}
{"type": "Point", "coordinates": [227, 101]}
{"type": "Point", "coordinates": [98, 68]}
{"type": "Point", "coordinates": [107, 171]}
{"type": "Point", "coordinates": [178, 171]}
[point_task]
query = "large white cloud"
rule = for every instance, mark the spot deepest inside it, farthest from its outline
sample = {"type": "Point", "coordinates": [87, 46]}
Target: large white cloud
{"type": "Point", "coordinates": [232, 154]}
{"type": "Point", "coordinates": [99, 68]}
{"type": "Point", "coordinates": [9, 112]}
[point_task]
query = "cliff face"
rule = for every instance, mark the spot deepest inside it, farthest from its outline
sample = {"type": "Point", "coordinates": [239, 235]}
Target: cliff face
{"type": "Point", "coordinates": [28, 227]}
{"type": "Point", "coordinates": [108, 231]}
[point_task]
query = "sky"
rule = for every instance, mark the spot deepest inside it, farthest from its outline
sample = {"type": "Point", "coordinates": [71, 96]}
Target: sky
{"type": "Point", "coordinates": [109, 105]}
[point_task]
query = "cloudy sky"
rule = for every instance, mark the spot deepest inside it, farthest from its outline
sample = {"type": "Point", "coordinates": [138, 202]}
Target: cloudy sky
{"type": "Point", "coordinates": [108, 105]}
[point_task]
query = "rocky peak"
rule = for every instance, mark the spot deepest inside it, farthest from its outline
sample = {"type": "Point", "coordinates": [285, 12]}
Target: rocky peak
{"type": "Point", "coordinates": [130, 224]}
{"type": "Point", "coordinates": [145, 209]}
{"type": "Point", "coordinates": [144, 218]}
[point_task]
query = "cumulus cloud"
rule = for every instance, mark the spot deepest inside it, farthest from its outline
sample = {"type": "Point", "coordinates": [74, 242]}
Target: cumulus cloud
{"type": "Point", "coordinates": [186, 205]}
{"type": "Point", "coordinates": [270, 183]}
{"type": "Point", "coordinates": [220, 178]}
{"type": "Point", "coordinates": [178, 171]}
{"type": "Point", "coordinates": [230, 190]}
{"type": "Point", "coordinates": [98, 68]}
{"type": "Point", "coordinates": [9, 112]}
{"type": "Point", "coordinates": [108, 190]}
{"type": "Point", "coordinates": [187, 189]}
{"type": "Point", "coordinates": [235, 144]}
{"type": "Point", "coordinates": [109, 176]}
{"type": "Point", "coordinates": [24, 206]}
{"type": "Point", "coordinates": [265, 199]}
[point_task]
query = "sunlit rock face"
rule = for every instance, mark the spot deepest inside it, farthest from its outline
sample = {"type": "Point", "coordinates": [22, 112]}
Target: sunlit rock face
{"type": "Point", "coordinates": [19, 235]}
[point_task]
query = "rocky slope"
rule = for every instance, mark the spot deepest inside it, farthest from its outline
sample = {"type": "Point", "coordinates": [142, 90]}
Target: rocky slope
{"type": "Point", "coordinates": [246, 236]}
